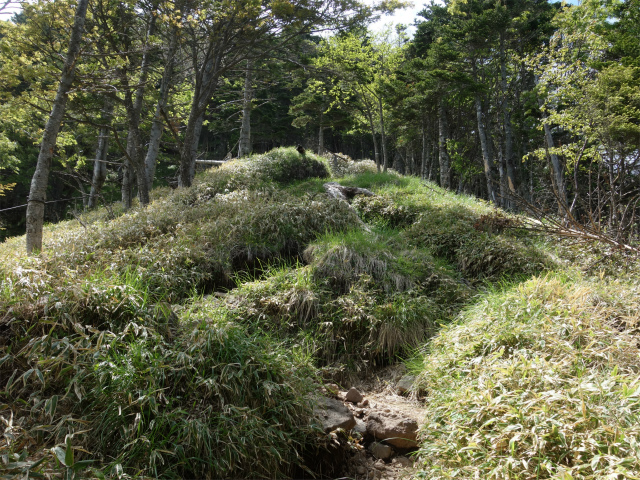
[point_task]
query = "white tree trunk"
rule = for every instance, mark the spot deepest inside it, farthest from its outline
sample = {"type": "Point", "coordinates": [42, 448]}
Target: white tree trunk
{"type": "Point", "coordinates": [244, 143]}
{"type": "Point", "coordinates": [38, 191]}
{"type": "Point", "coordinates": [443, 135]}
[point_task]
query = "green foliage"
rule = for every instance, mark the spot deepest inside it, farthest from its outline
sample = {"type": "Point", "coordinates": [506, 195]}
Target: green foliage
{"type": "Point", "coordinates": [360, 300]}
{"type": "Point", "coordinates": [536, 381]}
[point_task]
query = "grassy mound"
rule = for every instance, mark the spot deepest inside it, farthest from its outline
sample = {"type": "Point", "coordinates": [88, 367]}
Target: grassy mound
{"type": "Point", "coordinates": [359, 301]}
{"type": "Point", "coordinates": [538, 381]}
{"type": "Point", "coordinates": [481, 241]}
{"type": "Point", "coordinates": [278, 167]}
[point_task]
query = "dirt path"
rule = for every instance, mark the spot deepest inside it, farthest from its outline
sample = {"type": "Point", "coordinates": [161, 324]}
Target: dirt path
{"type": "Point", "coordinates": [381, 392]}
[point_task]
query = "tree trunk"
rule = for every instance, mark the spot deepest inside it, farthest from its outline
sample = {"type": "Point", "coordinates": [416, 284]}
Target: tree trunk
{"type": "Point", "coordinates": [376, 153]}
{"type": "Point", "coordinates": [204, 88]}
{"type": "Point", "coordinates": [383, 138]}
{"type": "Point", "coordinates": [508, 131]}
{"type": "Point", "coordinates": [38, 190]}
{"type": "Point", "coordinates": [486, 158]}
{"type": "Point", "coordinates": [443, 135]}
{"type": "Point", "coordinates": [503, 180]}
{"type": "Point", "coordinates": [321, 138]}
{"type": "Point", "coordinates": [151, 159]}
{"type": "Point", "coordinates": [561, 190]}
{"type": "Point", "coordinates": [99, 165]}
{"type": "Point", "coordinates": [244, 143]}
{"type": "Point", "coordinates": [423, 164]}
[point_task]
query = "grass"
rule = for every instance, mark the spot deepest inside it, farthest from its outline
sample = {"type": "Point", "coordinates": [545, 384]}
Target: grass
{"type": "Point", "coordinates": [189, 338]}
{"type": "Point", "coordinates": [539, 380]}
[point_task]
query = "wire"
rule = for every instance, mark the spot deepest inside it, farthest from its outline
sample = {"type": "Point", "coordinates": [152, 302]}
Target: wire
{"type": "Point", "coordinates": [50, 201]}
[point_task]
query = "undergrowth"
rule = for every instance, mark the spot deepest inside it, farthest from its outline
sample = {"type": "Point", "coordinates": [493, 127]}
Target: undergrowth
{"type": "Point", "coordinates": [539, 380]}
{"type": "Point", "coordinates": [189, 338]}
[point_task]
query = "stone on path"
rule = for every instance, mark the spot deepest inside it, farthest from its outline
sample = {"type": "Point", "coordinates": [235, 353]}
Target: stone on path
{"type": "Point", "coordinates": [381, 451]}
{"type": "Point", "coordinates": [397, 430]}
{"type": "Point", "coordinates": [333, 414]}
{"type": "Point", "coordinates": [353, 395]}
{"type": "Point", "coordinates": [405, 383]}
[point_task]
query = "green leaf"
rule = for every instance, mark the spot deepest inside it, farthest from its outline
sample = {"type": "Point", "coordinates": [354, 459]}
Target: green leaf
{"type": "Point", "coordinates": [61, 455]}
{"type": "Point", "coordinates": [69, 454]}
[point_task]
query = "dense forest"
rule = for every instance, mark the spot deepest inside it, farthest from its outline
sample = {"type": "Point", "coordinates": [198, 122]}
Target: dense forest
{"type": "Point", "coordinates": [261, 239]}
{"type": "Point", "coordinates": [526, 104]}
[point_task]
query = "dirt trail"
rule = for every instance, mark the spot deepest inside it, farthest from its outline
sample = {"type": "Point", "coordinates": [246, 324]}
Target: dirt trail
{"type": "Point", "coordinates": [381, 392]}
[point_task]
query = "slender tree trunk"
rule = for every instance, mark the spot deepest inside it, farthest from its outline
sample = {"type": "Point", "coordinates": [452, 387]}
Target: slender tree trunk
{"type": "Point", "coordinates": [244, 144]}
{"type": "Point", "coordinates": [486, 158]}
{"type": "Point", "coordinates": [321, 138]}
{"type": "Point", "coordinates": [383, 138]}
{"type": "Point", "coordinates": [561, 190]}
{"type": "Point", "coordinates": [205, 85]}
{"type": "Point", "coordinates": [99, 166]}
{"type": "Point", "coordinates": [508, 131]}
{"type": "Point", "coordinates": [135, 161]}
{"type": "Point", "coordinates": [503, 180]}
{"type": "Point", "coordinates": [157, 126]}
{"type": "Point", "coordinates": [376, 153]}
{"type": "Point", "coordinates": [443, 135]}
{"type": "Point", "coordinates": [38, 190]}
{"type": "Point", "coordinates": [423, 163]}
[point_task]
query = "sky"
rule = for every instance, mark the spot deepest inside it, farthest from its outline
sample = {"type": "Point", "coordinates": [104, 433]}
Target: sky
{"type": "Point", "coordinates": [405, 16]}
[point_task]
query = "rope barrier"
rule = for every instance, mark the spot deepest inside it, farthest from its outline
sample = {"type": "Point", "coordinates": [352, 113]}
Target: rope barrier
{"type": "Point", "coordinates": [50, 201]}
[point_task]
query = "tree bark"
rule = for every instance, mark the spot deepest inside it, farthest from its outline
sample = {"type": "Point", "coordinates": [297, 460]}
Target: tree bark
{"type": "Point", "coordinates": [383, 138]}
{"type": "Point", "coordinates": [443, 135]}
{"type": "Point", "coordinates": [38, 190]}
{"type": "Point", "coordinates": [99, 165]}
{"type": "Point", "coordinates": [157, 126]}
{"type": "Point", "coordinates": [508, 131]}
{"type": "Point", "coordinates": [244, 143]}
{"type": "Point", "coordinates": [423, 163]}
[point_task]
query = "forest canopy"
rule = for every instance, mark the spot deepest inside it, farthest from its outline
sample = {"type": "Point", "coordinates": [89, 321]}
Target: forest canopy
{"type": "Point", "coordinates": [532, 105]}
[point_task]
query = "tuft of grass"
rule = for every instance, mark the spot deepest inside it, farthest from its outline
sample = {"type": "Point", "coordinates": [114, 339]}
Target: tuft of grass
{"type": "Point", "coordinates": [535, 381]}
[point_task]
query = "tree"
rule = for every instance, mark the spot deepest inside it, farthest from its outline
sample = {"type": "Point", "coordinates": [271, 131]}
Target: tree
{"type": "Point", "coordinates": [37, 193]}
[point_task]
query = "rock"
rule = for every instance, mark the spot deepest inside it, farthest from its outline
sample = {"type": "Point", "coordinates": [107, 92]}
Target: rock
{"type": "Point", "coordinates": [381, 451]}
{"type": "Point", "coordinates": [395, 429]}
{"type": "Point", "coordinates": [353, 395]}
{"type": "Point", "coordinates": [332, 388]}
{"type": "Point", "coordinates": [360, 427]}
{"type": "Point", "coordinates": [380, 465]}
{"type": "Point", "coordinates": [361, 470]}
{"type": "Point", "coordinates": [364, 403]}
{"type": "Point", "coordinates": [403, 461]}
{"type": "Point", "coordinates": [405, 383]}
{"type": "Point", "coordinates": [333, 414]}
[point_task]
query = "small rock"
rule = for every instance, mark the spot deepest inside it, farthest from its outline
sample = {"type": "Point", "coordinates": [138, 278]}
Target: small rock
{"type": "Point", "coordinates": [360, 427]}
{"type": "Point", "coordinates": [332, 388]}
{"type": "Point", "coordinates": [380, 465]}
{"type": "Point", "coordinates": [405, 383]}
{"type": "Point", "coordinates": [381, 451]}
{"type": "Point", "coordinates": [364, 403]}
{"type": "Point", "coordinates": [353, 395]}
{"type": "Point", "coordinates": [395, 429]}
{"type": "Point", "coordinates": [361, 470]}
{"type": "Point", "coordinates": [403, 461]}
{"type": "Point", "coordinates": [333, 414]}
